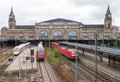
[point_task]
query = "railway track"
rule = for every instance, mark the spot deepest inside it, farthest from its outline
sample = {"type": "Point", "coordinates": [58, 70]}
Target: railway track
{"type": "Point", "coordinates": [87, 70]}
{"type": "Point", "coordinates": [4, 64]}
{"type": "Point", "coordinates": [44, 75]}
{"type": "Point", "coordinates": [3, 67]}
{"type": "Point", "coordinates": [5, 49]}
{"type": "Point", "coordinates": [101, 75]}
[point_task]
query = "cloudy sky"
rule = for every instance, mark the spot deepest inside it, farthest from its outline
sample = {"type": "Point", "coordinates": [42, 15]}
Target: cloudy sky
{"type": "Point", "coordinates": [32, 11]}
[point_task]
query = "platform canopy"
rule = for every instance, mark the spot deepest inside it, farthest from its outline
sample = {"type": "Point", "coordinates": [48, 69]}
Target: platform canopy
{"type": "Point", "coordinates": [112, 51]}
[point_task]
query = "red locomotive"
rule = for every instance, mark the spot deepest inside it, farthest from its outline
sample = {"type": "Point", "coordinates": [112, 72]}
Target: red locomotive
{"type": "Point", "coordinates": [70, 53]}
{"type": "Point", "coordinates": [40, 53]}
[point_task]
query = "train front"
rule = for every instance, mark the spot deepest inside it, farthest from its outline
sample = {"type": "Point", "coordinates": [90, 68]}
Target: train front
{"type": "Point", "coordinates": [40, 54]}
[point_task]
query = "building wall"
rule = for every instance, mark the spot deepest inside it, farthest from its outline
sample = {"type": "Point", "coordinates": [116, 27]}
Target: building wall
{"type": "Point", "coordinates": [64, 27]}
{"type": "Point", "coordinates": [82, 32]}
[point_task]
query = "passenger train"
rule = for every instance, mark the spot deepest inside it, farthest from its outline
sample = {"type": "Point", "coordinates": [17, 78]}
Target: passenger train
{"type": "Point", "coordinates": [70, 53]}
{"type": "Point", "coordinates": [40, 53]}
{"type": "Point", "coordinates": [18, 49]}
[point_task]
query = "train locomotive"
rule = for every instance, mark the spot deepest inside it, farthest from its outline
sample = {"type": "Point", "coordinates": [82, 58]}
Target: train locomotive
{"type": "Point", "coordinates": [70, 53]}
{"type": "Point", "coordinates": [40, 53]}
{"type": "Point", "coordinates": [18, 49]}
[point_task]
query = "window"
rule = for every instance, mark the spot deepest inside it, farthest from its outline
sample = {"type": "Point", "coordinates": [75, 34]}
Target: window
{"type": "Point", "coordinates": [58, 35]}
{"type": "Point", "coordinates": [43, 35]}
{"type": "Point", "coordinates": [11, 37]}
{"type": "Point", "coordinates": [72, 35]}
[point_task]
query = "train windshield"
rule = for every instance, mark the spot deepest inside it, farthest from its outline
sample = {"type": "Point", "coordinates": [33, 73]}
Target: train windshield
{"type": "Point", "coordinates": [16, 49]}
{"type": "Point", "coordinates": [40, 49]}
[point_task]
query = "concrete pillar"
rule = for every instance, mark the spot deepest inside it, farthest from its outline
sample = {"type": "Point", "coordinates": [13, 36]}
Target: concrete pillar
{"type": "Point", "coordinates": [83, 52]}
{"type": "Point", "coordinates": [114, 60]}
{"type": "Point", "coordinates": [101, 57]}
{"type": "Point", "coordinates": [108, 59]}
{"type": "Point", "coordinates": [0, 45]}
{"type": "Point", "coordinates": [119, 60]}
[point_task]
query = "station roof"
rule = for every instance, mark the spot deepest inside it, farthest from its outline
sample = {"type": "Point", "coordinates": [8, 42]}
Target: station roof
{"type": "Point", "coordinates": [112, 51]}
{"type": "Point", "coordinates": [59, 20]}
{"type": "Point", "coordinates": [25, 27]}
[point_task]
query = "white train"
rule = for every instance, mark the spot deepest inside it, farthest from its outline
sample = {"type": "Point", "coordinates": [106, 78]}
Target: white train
{"type": "Point", "coordinates": [18, 49]}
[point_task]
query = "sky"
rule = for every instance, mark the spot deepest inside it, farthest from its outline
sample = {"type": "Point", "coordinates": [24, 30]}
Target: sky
{"type": "Point", "coordinates": [29, 12]}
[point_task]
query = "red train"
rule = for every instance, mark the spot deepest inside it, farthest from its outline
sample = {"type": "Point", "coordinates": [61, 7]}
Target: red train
{"type": "Point", "coordinates": [70, 53]}
{"type": "Point", "coordinates": [40, 53]}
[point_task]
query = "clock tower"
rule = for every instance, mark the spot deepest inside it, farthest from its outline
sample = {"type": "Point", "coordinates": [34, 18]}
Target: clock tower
{"type": "Point", "coordinates": [108, 19]}
{"type": "Point", "coordinates": [11, 21]}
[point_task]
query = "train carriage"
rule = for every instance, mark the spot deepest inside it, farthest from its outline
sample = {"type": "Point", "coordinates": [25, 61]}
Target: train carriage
{"type": "Point", "coordinates": [40, 53]}
{"type": "Point", "coordinates": [70, 53]}
{"type": "Point", "coordinates": [18, 49]}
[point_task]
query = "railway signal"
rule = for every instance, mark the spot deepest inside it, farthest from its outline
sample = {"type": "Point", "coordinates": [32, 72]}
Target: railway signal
{"type": "Point", "coordinates": [95, 71]}
{"type": "Point", "coordinates": [32, 52]}
{"type": "Point", "coordinates": [32, 58]}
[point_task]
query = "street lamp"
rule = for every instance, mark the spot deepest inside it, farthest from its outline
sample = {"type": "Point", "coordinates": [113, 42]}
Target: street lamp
{"type": "Point", "coordinates": [103, 38]}
{"type": "Point", "coordinates": [109, 40]}
{"type": "Point", "coordinates": [76, 58]}
{"type": "Point", "coordinates": [95, 71]}
{"type": "Point", "coordinates": [116, 39]}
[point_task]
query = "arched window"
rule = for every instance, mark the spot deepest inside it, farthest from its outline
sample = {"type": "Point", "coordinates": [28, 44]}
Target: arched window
{"type": "Point", "coordinates": [43, 35]}
{"type": "Point", "coordinates": [106, 36]}
{"type": "Point", "coordinates": [58, 35]}
{"type": "Point", "coordinates": [73, 35]}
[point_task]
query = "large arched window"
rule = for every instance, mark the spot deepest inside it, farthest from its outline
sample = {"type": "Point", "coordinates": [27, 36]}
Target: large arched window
{"type": "Point", "coordinates": [58, 35]}
{"type": "Point", "coordinates": [43, 35]}
{"type": "Point", "coordinates": [73, 35]}
{"type": "Point", "coordinates": [106, 36]}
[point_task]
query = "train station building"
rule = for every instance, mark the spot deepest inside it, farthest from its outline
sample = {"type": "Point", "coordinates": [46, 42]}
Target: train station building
{"type": "Point", "coordinates": [60, 29]}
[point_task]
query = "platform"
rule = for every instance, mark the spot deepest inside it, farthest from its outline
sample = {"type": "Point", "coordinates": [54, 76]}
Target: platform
{"type": "Point", "coordinates": [21, 63]}
{"type": "Point", "coordinates": [89, 58]}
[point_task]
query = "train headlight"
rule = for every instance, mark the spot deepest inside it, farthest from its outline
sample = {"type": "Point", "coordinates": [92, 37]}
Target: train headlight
{"type": "Point", "coordinates": [73, 55]}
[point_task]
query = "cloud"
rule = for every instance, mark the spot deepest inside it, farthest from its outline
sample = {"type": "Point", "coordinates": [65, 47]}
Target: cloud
{"type": "Point", "coordinates": [85, 11]}
{"type": "Point", "coordinates": [90, 2]}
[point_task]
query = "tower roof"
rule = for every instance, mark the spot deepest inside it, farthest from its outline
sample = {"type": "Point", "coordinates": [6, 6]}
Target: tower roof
{"type": "Point", "coordinates": [108, 15]}
{"type": "Point", "coordinates": [108, 10]}
{"type": "Point", "coordinates": [12, 16]}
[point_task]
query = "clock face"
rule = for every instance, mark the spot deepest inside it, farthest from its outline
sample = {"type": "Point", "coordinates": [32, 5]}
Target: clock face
{"type": "Point", "coordinates": [10, 16]}
{"type": "Point", "coordinates": [109, 15]}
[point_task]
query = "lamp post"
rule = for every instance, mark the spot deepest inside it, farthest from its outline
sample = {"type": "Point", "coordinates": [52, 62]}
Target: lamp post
{"type": "Point", "coordinates": [103, 38]}
{"type": "Point", "coordinates": [95, 60]}
{"type": "Point", "coordinates": [49, 38]}
{"type": "Point", "coordinates": [76, 58]}
{"type": "Point", "coordinates": [109, 40]}
{"type": "Point", "coordinates": [19, 69]}
{"type": "Point", "coordinates": [116, 40]}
